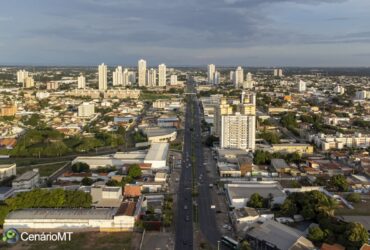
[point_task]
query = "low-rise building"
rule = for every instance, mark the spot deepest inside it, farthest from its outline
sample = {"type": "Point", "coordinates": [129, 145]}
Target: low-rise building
{"type": "Point", "coordinates": [7, 170]}
{"type": "Point", "coordinates": [28, 180]}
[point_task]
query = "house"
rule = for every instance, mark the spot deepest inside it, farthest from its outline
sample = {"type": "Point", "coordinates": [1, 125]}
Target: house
{"type": "Point", "coordinates": [280, 166]}
{"type": "Point", "coordinates": [132, 190]}
{"type": "Point", "coordinates": [160, 177]}
{"type": "Point", "coordinates": [326, 246]}
{"type": "Point", "coordinates": [104, 196]}
{"type": "Point", "coordinates": [272, 235]}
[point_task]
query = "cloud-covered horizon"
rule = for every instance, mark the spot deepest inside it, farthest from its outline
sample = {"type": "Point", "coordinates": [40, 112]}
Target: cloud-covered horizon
{"type": "Point", "coordinates": [186, 32]}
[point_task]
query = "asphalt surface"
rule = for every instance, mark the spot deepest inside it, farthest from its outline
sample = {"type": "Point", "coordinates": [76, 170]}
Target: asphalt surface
{"type": "Point", "coordinates": [184, 216]}
{"type": "Point", "coordinates": [203, 213]}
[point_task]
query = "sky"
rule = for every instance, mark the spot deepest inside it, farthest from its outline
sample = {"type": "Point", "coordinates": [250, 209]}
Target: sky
{"type": "Point", "coordinates": [271, 33]}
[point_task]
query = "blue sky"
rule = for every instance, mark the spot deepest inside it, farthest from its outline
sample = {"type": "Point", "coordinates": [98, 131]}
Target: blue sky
{"type": "Point", "coordinates": [186, 32]}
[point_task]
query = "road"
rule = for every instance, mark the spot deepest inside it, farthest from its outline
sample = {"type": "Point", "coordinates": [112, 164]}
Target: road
{"type": "Point", "coordinates": [184, 215]}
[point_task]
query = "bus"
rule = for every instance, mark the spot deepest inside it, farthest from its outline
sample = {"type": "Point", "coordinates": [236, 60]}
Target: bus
{"type": "Point", "coordinates": [232, 244]}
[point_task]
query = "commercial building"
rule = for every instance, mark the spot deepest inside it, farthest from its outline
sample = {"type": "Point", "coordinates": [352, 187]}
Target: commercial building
{"type": "Point", "coordinates": [81, 219]}
{"type": "Point", "coordinates": [122, 93]}
{"type": "Point", "coordinates": [102, 77]}
{"type": "Point", "coordinates": [81, 82]}
{"type": "Point", "coordinates": [157, 156]}
{"type": "Point", "coordinates": [239, 194]}
{"type": "Point", "coordinates": [28, 180]}
{"type": "Point", "coordinates": [86, 109]}
{"type": "Point", "coordinates": [160, 134]}
{"type": "Point", "coordinates": [8, 110]}
{"type": "Point", "coordinates": [7, 170]}
{"type": "Point", "coordinates": [272, 235]}
{"type": "Point", "coordinates": [162, 75]}
{"type": "Point", "coordinates": [141, 68]}
{"type": "Point", "coordinates": [292, 148]}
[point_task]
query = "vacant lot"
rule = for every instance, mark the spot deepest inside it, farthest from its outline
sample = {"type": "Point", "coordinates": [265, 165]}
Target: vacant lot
{"type": "Point", "coordinates": [361, 208]}
{"type": "Point", "coordinates": [44, 170]}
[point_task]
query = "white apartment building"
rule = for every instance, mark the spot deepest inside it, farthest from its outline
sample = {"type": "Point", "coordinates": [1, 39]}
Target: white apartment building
{"type": "Point", "coordinates": [339, 90]}
{"type": "Point", "coordinates": [278, 72]}
{"type": "Point", "coordinates": [131, 77]}
{"type": "Point", "coordinates": [81, 82]}
{"type": "Point", "coordinates": [211, 69]}
{"type": "Point", "coordinates": [141, 68]}
{"type": "Point", "coordinates": [339, 141]}
{"type": "Point", "coordinates": [238, 77]}
{"type": "Point", "coordinates": [102, 72]}
{"type": "Point", "coordinates": [118, 76]}
{"type": "Point", "coordinates": [173, 80]}
{"type": "Point", "coordinates": [86, 109]}
{"type": "Point", "coordinates": [238, 131]}
{"type": "Point", "coordinates": [217, 78]}
{"type": "Point", "coordinates": [361, 95]}
{"type": "Point", "coordinates": [7, 170]}
{"type": "Point", "coordinates": [162, 75]}
{"type": "Point", "coordinates": [28, 180]}
{"type": "Point", "coordinates": [249, 83]}
{"type": "Point", "coordinates": [28, 82]}
{"type": "Point", "coordinates": [301, 86]}
{"type": "Point", "coordinates": [152, 78]}
{"type": "Point", "coordinates": [21, 75]}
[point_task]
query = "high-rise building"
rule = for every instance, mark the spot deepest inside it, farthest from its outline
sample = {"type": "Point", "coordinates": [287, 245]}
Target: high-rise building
{"type": "Point", "coordinates": [81, 82]}
{"type": "Point", "coordinates": [28, 82]}
{"type": "Point", "coordinates": [232, 76]}
{"type": "Point", "coordinates": [102, 75]}
{"type": "Point", "coordinates": [21, 75]}
{"type": "Point", "coordinates": [173, 80]}
{"type": "Point", "coordinates": [86, 109]}
{"type": "Point", "coordinates": [362, 95]}
{"type": "Point", "coordinates": [238, 131]}
{"type": "Point", "coordinates": [152, 78]}
{"type": "Point", "coordinates": [301, 86]}
{"type": "Point", "coordinates": [217, 78]}
{"type": "Point", "coordinates": [248, 84]}
{"type": "Point", "coordinates": [162, 75]}
{"type": "Point", "coordinates": [278, 72]}
{"type": "Point", "coordinates": [131, 77]}
{"type": "Point", "coordinates": [339, 90]}
{"type": "Point", "coordinates": [141, 71]}
{"type": "Point", "coordinates": [211, 69]}
{"type": "Point", "coordinates": [52, 85]}
{"type": "Point", "coordinates": [118, 76]}
{"type": "Point", "coordinates": [238, 77]}
{"type": "Point", "coordinates": [223, 108]}
{"type": "Point", "coordinates": [125, 78]}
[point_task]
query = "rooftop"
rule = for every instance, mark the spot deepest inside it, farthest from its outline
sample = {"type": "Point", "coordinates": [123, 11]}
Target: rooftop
{"type": "Point", "coordinates": [62, 214]}
{"type": "Point", "coordinates": [236, 191]}
{"type": "Point", "coordinates": [26, 176]}
{"type": "Point", "coordinates": [157, 152]}
{"type": "Point", "coordinates": [7, 165]}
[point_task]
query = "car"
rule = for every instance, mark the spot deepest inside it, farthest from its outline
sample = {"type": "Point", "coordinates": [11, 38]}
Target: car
{"type": "Point", "coordinates": [186, 207]}
{"type": "Point", "coordinates": [187, 218]}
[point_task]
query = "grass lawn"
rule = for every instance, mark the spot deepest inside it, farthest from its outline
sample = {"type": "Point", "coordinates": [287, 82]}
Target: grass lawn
{"type": "Point", "coordinates": [44, 170]}
{"type": "Point", "coordinates": [86, 240]}
{"type": "Point", "coordinates": [361, 208]}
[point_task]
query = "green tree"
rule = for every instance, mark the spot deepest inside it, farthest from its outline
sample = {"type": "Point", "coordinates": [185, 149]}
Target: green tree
{"type": "Point", "coordinates": [134, 171]}
{"type": "Point", "coordinates": [316, 234]}
{"type": "Point", "coordinates": [356, 235]}
{"type": "Point", "coordinates": [288, 208]}
{"type": "Point", "coordinates": [339, 183]}
{"type": "Point", "coordinates": [354, 197]}
{"type": "Point", "coordinates": [255, 201]}
{"type": "Point", "coordinates": [112, 183]}
{"type": "Point", "coordinates": [86, 181]}
{"type": "Point", "coordinates": [244, 245]}
{"type": "Point", "coordinates": [80, 167]}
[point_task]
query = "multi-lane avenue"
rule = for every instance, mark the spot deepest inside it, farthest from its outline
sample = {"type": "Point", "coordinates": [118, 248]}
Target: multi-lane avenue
{"type": "Point", "coordinates": [193, 157]}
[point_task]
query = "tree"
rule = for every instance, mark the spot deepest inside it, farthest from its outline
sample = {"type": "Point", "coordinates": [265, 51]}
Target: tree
{"type": "Point", "coordinates": [255, 201]}
{"type": "Point", "coordinates": [80, 167]}
{"type": "Point", "coordinates": [316, 234]}
{"type": "Point", "coordinates": [339, 183]}
{"type": "Point", "coordinates": [134, 171]}
{"type": "Point", "coordinates": [288, 208]}
{"type": "Point", "coordinates": [356, 235]}
{"type": "Point", "coordinates": [86, 181]}
{"type": "Point", "coordinates": [244, 245]}
{"type": "Point", "coordinates": [354, 197]}
{"type": "Point", "coordinates": [112, 183]}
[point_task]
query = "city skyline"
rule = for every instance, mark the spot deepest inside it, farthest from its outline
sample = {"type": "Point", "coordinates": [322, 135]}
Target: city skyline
{"type": "Point", "coordinates": [256, 33]}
